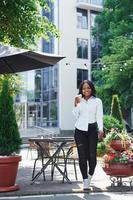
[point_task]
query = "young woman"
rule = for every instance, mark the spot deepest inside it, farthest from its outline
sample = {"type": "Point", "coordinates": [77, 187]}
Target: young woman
{"type": "Point", "coordinates": [88, 111]}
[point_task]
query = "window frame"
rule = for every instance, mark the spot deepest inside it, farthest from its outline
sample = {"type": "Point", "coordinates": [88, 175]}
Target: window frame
{"type": "Point", "coordinates": [82, 18]}
{"type": "Point", "coordinates": [84, 55]}
{"type": "Point", "coordinates": [83, 76]}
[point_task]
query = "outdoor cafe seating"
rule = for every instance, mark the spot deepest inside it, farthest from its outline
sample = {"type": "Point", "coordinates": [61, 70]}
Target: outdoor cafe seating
{"type": "Point", "coordinates": [66, 158]}
{"type": "Point", "coordinates": [42, 155]}
{"type": "Point", "coordinates": [56, 152]}
{"type": "Point", "coordinates": [71, 158]}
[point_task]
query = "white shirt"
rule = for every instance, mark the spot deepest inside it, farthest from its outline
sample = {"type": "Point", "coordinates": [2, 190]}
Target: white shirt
{"type": "Point", "coordinates": [89, 111]}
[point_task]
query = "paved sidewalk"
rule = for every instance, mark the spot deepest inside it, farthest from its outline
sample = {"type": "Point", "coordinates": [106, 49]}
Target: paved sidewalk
{"type": "Point", "coordinates": [100, 181]}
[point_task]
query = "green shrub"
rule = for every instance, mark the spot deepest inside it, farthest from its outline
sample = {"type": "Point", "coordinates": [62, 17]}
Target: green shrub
{"type": "Point", "coordinates": [10, 140]}
{"type": "Point", "coordinates": [111, 122]}
{"type": "Point", "coordinates": [101, 148]}
{"type": "Point", "coordinates": [116, 109]}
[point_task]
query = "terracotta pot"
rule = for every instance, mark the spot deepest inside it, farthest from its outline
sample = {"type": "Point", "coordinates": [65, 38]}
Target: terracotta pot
{"type": "Point", "coordinates": [8, 172]}
{"type": "Point", "coordinates": [119, 146]}
{"type": "Point", "coordinates": [118, 169]}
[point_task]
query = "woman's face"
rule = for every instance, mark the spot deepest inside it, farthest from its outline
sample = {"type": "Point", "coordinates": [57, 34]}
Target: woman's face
{"type": "Point", "coordinates": [86, 90]}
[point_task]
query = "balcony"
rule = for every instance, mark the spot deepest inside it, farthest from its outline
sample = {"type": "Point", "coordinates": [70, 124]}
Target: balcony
{"type": "Point", "coordinates": [95, 5]}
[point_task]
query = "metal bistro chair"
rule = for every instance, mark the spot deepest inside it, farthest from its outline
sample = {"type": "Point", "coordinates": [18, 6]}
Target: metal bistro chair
{"type": "Point", "coordinates": [42, 154]}
{"type": "Point", "coordinates": [71, 158]}
{"type": "Point", "coordinates": [32, 148]}
{"type": "Point", "coordinates": [59, 160]}
{"type": "Point", "coordinates": [67, 156]}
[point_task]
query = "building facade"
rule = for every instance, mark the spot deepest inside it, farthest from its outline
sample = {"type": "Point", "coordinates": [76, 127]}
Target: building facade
{"type": "Point", "coordinates": [48, 98]}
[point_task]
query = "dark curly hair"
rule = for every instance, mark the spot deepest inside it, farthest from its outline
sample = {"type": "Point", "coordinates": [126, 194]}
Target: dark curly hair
{"type": "Point", "coordinates": [93, 90]}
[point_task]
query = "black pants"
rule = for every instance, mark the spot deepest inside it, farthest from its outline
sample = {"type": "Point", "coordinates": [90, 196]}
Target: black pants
{"type": "Point", "coordinates": [86, 142]}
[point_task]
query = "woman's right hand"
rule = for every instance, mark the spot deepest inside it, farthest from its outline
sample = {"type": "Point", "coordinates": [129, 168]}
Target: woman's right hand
{"type": "Point", "coordinates": [77, 99]}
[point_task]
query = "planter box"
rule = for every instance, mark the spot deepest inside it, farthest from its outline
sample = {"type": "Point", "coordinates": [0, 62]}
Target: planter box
{"type": "Point", "coordinates": [118, 169]}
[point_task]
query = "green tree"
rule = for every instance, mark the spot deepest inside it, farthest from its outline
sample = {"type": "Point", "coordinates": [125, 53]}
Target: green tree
{"type": "Point", "coordinates": [116, 109]}
{"type": "Point", "coordinates": [15, 82]}
{"type": "Point", "coordinates": [9, 134]}
{"type": "Point", "coordinates": [117, 75]}
{"type": "Point", "coordinates": [22, 24]}
{"type": "Point", "coordinates": [115, 20]}
{"type": "Point", "coordinates": [115, 32]}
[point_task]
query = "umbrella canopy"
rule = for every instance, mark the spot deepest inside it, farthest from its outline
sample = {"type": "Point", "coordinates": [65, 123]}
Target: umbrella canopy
{"type": "Point", "coordinates": [18, 60]}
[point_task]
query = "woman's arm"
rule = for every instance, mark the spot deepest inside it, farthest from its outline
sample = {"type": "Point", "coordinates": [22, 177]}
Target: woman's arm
{"type": "Point", "coordinates": [99, 115]}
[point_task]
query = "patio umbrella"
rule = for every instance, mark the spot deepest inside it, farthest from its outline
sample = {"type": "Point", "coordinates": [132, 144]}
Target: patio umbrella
{"type": "Point", "coordinates": [17, 60]}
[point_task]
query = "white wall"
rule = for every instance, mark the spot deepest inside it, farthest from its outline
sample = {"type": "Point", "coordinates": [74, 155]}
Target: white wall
{"type": "Point", "coordinates": [68, 74]}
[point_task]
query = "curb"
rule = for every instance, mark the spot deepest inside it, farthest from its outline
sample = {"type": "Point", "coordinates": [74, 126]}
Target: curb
{"type": "Point", "coordinates": [73, 191]}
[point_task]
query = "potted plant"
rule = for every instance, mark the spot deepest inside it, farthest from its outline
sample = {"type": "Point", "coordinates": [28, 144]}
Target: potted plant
{"type": "Point", "coordinates": [118, 161]}
{"type": "Point", "coordinates": [10, 140]}
{"type": "Point", "coordinates": [117, 140]}
{"type": "Point", "coordinates": [109, 122]}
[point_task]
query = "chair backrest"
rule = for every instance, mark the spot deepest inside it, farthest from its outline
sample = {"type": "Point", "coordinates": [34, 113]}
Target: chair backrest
{"type": "Point", "coordinates": [44, 149]}
{"type": "Point", "coordinates": [32, 145]}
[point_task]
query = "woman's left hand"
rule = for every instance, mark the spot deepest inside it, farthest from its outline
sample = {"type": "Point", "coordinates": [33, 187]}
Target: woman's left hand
{"type": "Point", "coordinates": [100, 134]}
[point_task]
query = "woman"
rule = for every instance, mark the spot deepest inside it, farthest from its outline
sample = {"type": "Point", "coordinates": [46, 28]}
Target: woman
{"type": "Point", "coordinates": [88, 110]}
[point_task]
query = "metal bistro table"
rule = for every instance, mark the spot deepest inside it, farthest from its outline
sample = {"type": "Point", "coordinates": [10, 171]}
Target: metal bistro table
{"type": "Point", "coordinates": [61, 143]}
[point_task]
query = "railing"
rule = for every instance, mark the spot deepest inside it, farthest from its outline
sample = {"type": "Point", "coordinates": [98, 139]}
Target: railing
{"type": "Point", "coordinates": [46, 132]}
{"type": "Point", "coordinates": [94, 2]}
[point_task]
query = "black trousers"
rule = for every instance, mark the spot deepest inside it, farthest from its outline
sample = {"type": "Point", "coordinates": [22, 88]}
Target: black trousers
{"type": "Point", "coordinates": [86, 142]}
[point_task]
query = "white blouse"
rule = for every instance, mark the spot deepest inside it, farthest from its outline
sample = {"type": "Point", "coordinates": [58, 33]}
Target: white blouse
{"type": "Point", "coordinates": [89, 111]}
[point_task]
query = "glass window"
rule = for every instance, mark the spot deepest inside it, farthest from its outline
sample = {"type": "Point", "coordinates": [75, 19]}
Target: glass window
{"type": "Point", "coordinates": [37, 85]}
{"type": "Point", "coordinates": [82, 74]}
{"type": "Point", "coordinates": [45, 79]}
{"type": "Point", "coordinates": [45, 95]}
{"type": "Point", "coordinates": [53, 110]}
{"type": "Point", "coordinates": [51, 78]}
{"type": "Point", "coordinates": [53, 114]}
{"type": "Point", "coordinates": [50, 92]}
{"type": "Point", "coordinates": [97, 2]}
{"type": "Point", "coordinates": [46, 111]}
{"type": "Point", "coordinates": [30, 95]}
{"type": "Point", "coordinates": [53, 94]}
{"type": "Point", "coordinates": [30, 87]}
{"type": "Point", "coordinates": [48, 46]}
{"type": "Point", "coordinates": [82, 18]}
{"type": "Point", "coordinates": [95, 44]}
{"type": "Point", "coordinates": [55, 78]}
{"type": "Point", "coordinates": [82, 48]}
